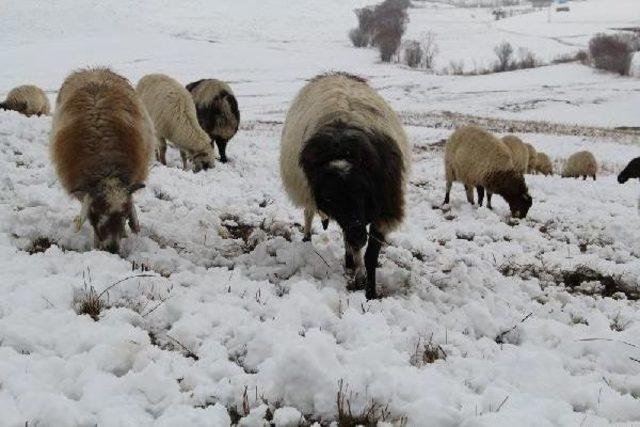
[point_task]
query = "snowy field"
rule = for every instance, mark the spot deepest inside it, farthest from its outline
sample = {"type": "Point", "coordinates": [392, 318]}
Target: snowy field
{"type": "Point", "coordinates": [218, 311]}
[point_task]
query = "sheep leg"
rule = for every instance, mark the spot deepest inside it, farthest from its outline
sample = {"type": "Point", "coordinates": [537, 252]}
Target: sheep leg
{"type": "Point", "coordinates": [371, 260]}
{"type": "Point", "coordinates": [584, 177]}
{"type": "Point", "coordinates": [349, 262]}
{"type": "Point", "coordinates": [594, 176]}
{"type": "Point", "coordinates": [446, 196]}
{"type": "Point", "coordinates": [185, 158]}
{"type": "Point", "coordinates": [489, 194]}
{"type": "Point", "coordinates": [222, 148]}
{"type": "Point", "coordinates": [469, 190]}
{"type": "Point", "coordinates": [480, 189]}
{"type": "Point", "coordinates": [161, 152]}
{"type": "Point", "coordinates": [134, 223]}
{"type": "Point", "coordinates": [308, 221]}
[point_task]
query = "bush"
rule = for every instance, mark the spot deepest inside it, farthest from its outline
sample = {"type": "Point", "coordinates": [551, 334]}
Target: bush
{"type": "Point", "coordinates": [527, 59]}
{"type": "Point", "coordinates": [504, 52]}
{"type": "Point", "coordinates": [383, 26]}
{"type": "Point", "coordinates": [420, 54]}
{"type": "Point", "coordinates": [610, 53]}
{"type": "Point", "coordinates": [582, 56]}
{"type": "Point", "coordinates": [413, 54]}
{"type": "Point", "coordinates": [456, 67]}
{"type": "Point", "coordinates": [359, 38]}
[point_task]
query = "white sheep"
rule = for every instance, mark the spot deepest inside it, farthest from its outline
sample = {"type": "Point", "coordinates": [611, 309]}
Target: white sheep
{"type": "Point", "coordinates": [174, 117]}
{"type": "Point", "coordinates": [344, 154]}
{"type": "Point", "coordinates": [28, 100]}
{"type": "Point", "coordinates": [582, 163]}
{"type": "Point", "coordinates": [519, 152]}
{"type": "Point", "coordinates": [476, 158]}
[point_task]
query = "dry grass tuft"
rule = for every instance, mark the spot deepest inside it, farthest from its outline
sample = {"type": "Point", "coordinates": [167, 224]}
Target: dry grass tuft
{"type": "Point", "coordinates": [370, 416]}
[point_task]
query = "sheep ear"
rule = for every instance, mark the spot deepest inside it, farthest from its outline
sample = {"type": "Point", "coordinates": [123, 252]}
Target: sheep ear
{"type": "Point", "coordinates": [136, 186]}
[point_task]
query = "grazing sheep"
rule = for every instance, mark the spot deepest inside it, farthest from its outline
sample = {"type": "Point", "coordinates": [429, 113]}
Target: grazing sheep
{"type": "Point", "coordinates": [173, 114]}
{"type": "Point", "coordinates": [478, 159]}
{"type": "Point", "coordinates": [345, 155]}
{"type": "Point", "coordinates": [543, 164]}
{"type": "Point", "coordinates": [27, 100]}
{"type": "Point", "coordinates": [532, 158]}
{"type": "Point", "coordinates": [582, 163]}
{"type": "Point", "coordinates": [101, 145]}
{"type": "Point", "coordinates": [519, 152]}
{"type": "Point", "coordinates": [631, 171]}
{"type": "Point", "coordinates": [217, 110]}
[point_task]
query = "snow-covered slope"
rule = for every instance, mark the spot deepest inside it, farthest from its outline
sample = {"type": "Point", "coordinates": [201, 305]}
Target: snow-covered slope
{"type": "Point", "coordinates": [222, 308]}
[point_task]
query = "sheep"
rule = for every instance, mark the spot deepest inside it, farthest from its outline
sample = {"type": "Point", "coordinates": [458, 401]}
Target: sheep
{"type": "Point", "coordinates": [543, 164]}
{"type": "Point", "coordinates": [101, 144]}
{"type": "Point", "coordinates": [532, 158]}
{"type": "Point", "coordinates": [28, 100]}
{"type": "Point", "coordinates": [345, 155]}
{"type": "Point", "coordinates": [582, 163]}
{"type": "Point", "coordinates": [519, 152]}
{"type": "Point", "coordinates": [631, 171]}
{"type": "Point", "coordinates": [173, 114]}
{"type": "Point", "coordinates": [478, 159]}
{"type": "Point", "coordinates": [217, 110]}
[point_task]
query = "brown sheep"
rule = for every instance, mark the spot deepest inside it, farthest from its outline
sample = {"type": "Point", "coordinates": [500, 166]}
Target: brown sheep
{"type": "Point", "coordinates": [101, 145]}
{"type": "Point", "coordinates": [519, 152]}
{"type": "Point", "coordinates": [543, 164]}
{"type": "Point", "coordinates": [478, 159]}
{"type": "Point", "coordinates": [531, 166]}
{"type": "Point", "coordinates": [28, 100]}
{"type": "Point", "coordinates": [582, 163]}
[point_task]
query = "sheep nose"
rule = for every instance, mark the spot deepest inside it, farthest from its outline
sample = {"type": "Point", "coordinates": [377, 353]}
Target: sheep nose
{"type": "Point", "coordinates": [356, 235]}
{"type": "Point", "coordinates": [621, 179]}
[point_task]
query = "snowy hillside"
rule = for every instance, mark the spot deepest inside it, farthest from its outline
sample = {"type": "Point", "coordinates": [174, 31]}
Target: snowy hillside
{"type": "Point", "coordinates": [217, 312]}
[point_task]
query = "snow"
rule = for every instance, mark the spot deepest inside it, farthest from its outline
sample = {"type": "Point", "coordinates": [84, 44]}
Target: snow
{"type": "Point", "coordinates": [223, 308]}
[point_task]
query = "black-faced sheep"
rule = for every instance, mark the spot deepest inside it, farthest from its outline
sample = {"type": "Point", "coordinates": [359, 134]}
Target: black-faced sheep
{"type": "Point", "coordinates": [543, 164]}
{"type": "Point", "coordinates": [580, 164]}
{"type": "Point", "coordinates": [101, 145]}
{"type": "Point", "coordinates": [631, 171]}
{"type": "Point", "coordinates": [217, 110]}
{"type": "Point", "coordinates": [532, 158]}
{"type": "Point", "coordinates": [477, 159]}
{"type": "Point", "coordinates": [174, 117]}
{"type": "Point", "coordinates": [519, 152]}
{"type": "Point", "coordinates": [344, 154]}
{"type": "Point", "coordinates": [28, 100]}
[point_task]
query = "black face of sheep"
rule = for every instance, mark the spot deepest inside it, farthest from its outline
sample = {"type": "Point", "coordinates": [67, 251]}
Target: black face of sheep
{"type": "Point", "coordinates": [339, 164]}
{"type": "Point", "coordinates": [512, 187]}
{"type": "Point", "coordinates": [631, 171]}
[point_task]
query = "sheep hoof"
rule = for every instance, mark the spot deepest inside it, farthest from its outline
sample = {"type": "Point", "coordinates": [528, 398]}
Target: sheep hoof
{"type": "Point", "coordinates": [306, 238]}
{"type": "Point", "coordinates": [325, 224]}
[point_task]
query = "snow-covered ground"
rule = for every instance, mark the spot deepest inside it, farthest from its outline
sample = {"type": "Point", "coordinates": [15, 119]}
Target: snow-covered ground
{"type": "Point", "coordinates": [224, 308]}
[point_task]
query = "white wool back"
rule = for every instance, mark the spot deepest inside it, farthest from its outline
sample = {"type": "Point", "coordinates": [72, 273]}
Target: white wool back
{"type": "Point", "coordinates": [543, 163]}
{"type": "Point", "coordinates": [35, 99]}
{"type": "Point", "coordinates": [324, 101]}
{"type": "Point", "coordinates": [472, 153]}
{"type": "Point", "coordinates": [173, 113]}
{"type": "Point", "coordinates": [580, 163]}
{"type": "Point", "coordinates": [519, 152]}
{"type": "Point", "coordinates": [533, 156]}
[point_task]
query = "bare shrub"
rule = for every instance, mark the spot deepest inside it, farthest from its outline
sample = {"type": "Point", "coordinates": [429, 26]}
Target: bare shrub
{"type": "Point", "coordinates": [359, 38]}
{"type": "Point", "coordinates": [504, 52]}
{"type": "Point", "coordinates": [413, 56]}
{"type": "Point", "coordinates": [456, 67]}
{"type": "Point", "coordinates": [430, 49]}
{"type": "Point", "coordinates": [610, 53]}
{"type": "Point", "coordinates": [526, 59]}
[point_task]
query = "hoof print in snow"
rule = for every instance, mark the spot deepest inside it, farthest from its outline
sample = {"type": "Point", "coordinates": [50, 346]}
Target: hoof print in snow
{"type": "Point", "coordinates": [450, 217]}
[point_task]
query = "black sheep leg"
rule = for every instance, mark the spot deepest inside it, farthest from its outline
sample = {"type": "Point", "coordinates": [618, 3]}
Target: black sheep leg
{"type": "Point", "coordinates": [480, 189]}
{"type": "Point", "coordinates": [371, 261]}
{"type": "Point", "coordinates": [222, 149]}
